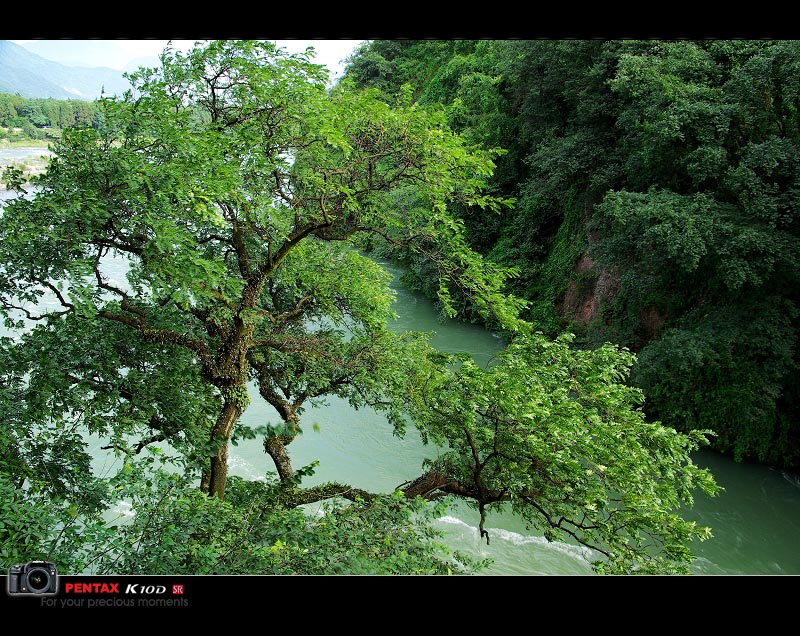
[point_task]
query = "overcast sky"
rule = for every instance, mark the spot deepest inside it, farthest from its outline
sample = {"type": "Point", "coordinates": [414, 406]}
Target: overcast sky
{"type": "Point", "coordinates": [118, 54]}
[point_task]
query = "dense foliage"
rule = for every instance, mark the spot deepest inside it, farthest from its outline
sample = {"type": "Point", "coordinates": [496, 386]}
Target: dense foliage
{"type": "Point", "coordinates": [194, 251]}
{"type": "Point", "coordinates": [38, 118]}
{"type": "Point", "coordinates": [656, 188]}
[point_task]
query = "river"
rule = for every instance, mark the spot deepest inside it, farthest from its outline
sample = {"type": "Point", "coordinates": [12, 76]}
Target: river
{"type": "Point", "coordinates": [755, 521]}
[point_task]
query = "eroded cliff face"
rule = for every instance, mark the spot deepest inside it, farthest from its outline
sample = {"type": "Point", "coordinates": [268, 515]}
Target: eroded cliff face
{"type": "Point", "coordinates": [592, 287]}
{"type": "Point", "coordinates": [588, 288]}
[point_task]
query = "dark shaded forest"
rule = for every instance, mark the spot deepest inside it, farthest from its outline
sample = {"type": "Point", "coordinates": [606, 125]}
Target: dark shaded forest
{"type": "Point", "coordinates": [657, 206]}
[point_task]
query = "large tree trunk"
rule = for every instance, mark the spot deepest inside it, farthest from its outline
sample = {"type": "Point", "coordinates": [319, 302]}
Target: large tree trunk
{"type": "Point", "coordinates": [276, 447]}
{"type": "Point", "coordinates": [218, 473]}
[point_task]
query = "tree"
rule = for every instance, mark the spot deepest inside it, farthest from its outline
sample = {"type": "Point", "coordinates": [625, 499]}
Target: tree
{"type": "Point", "coordinates": [559, 435]}
{"type": "Point", "coordinates": [229, 183]}
{"type": "Point", "coordinates": [52, 111]}
{"type": "Point", "coordinates": [9, 108]}
{"type": "Point", "coordinates": [32, 111]}
{"type": "Point", "coordinates": [705, 238]}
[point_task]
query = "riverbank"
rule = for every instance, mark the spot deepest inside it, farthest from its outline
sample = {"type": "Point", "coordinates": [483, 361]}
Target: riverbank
{"type": "Point", "coordinates": [25, 143]}
{"type": "Point", "coordinates": [31, 158]}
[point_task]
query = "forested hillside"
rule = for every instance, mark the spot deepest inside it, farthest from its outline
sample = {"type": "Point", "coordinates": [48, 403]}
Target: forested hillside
{"type": "Point", "coordinates": [657, 207]}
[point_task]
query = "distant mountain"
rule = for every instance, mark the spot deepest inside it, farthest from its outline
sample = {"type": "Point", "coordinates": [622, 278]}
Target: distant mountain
{"type": "Point", "coordinates": [30, 75]}
{"type": "Point", "coordinates": [147, 61]}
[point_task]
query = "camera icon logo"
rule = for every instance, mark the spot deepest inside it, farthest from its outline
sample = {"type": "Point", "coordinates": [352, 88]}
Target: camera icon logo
{"type": "Point", "coordinates": [34, 577]}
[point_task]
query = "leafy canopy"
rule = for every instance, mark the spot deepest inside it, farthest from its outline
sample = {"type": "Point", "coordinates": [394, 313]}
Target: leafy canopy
{"type": "Point", "coordinates": [194, 251]}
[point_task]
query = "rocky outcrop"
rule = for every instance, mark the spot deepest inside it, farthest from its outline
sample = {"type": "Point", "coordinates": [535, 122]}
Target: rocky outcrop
{"type": "Point", "coordinates": [589, 288]}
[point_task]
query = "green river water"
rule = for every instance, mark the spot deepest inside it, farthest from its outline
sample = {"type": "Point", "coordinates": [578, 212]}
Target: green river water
{"type": "Point", "coordinates": [755, 521]}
